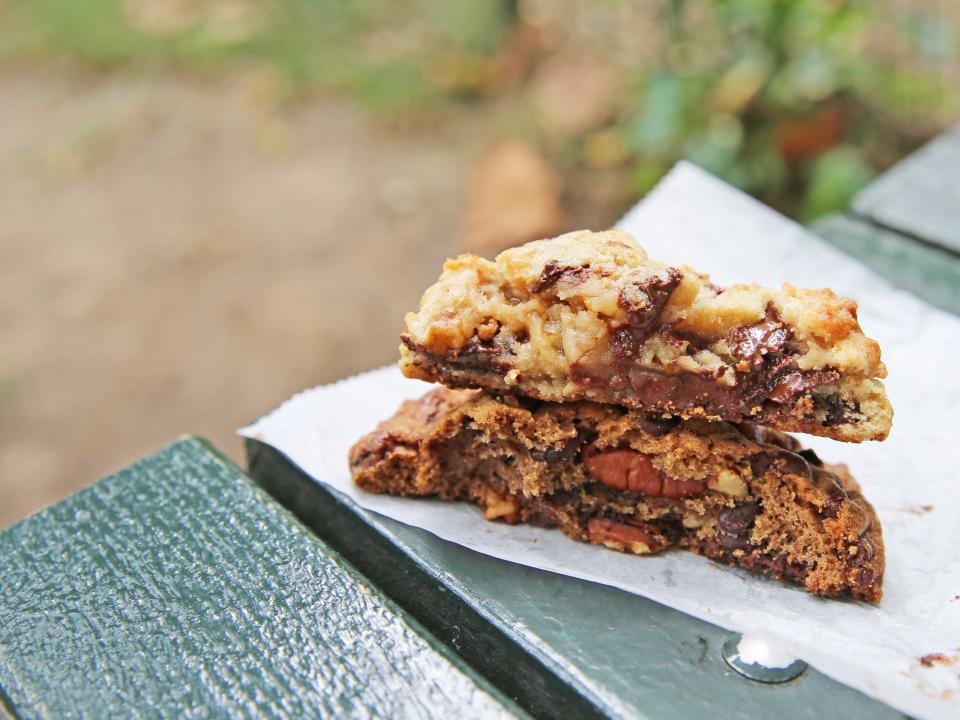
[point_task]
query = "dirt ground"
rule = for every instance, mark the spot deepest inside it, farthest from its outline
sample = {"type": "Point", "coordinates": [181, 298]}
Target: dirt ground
{"type": "Point", "coordinates": [178, 255]}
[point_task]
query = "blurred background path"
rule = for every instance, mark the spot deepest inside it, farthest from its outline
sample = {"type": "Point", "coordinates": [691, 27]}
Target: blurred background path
{"type": "Point", "coordinates": [207, 205]}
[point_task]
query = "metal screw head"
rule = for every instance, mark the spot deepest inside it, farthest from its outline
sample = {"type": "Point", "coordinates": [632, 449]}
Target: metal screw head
{"type": "Point", "coordinates": [756, 671]}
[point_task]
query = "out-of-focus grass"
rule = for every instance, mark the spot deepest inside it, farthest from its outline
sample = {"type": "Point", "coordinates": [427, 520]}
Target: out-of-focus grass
{"type": "Point", "coordinates": [799, 102]}
{"type": "Point", "coordinates": [383, 51]}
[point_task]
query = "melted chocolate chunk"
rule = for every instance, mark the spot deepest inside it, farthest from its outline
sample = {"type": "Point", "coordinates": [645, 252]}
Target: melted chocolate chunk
{"type": "Point", "coordinates": [669, 392]}
{"type": "Point", "coordinates": [777, 566]}
{"type": "Point", "coordinates": [643, 301]}
{"type": "Point", "coordinates": [658, 426]}
{"type": "Point", "coordinates": [567, 451]}
{"type": "Point", "coordinates": [754, 342]}
{"type": "Point", "coordinates": [811, 457]}
{"type": "Point", "coordinates": [664, 392]}
{"type": "Point", "coordinates": [552, 273]}
{"type": "Point", "coordinates": [625, 343]}
{"type": "Point", "coordinates": [732, 542]}
{"type": "Point", "coordinates": [865, 577]}
{"type": "Point", "coordinates": [835, 499]}
{"type": "Point", "coordinates": [756, 385]}
{"type": "Point", "coordinates": [739, 518]}
{"type": "Point", "coordinates": [836, 410]}
{"type": "Point", "coordinates": [795, 382]}
{"type": "Point", "coordinates": [866, 551]}
{"type": "Point", "coordinates": [794, 464]}
{"type": "Point", "coordinates": [760, 463]}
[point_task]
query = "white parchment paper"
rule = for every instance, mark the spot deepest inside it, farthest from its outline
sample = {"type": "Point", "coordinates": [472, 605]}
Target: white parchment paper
{"type": "Point", "coordinates": [912, 478]}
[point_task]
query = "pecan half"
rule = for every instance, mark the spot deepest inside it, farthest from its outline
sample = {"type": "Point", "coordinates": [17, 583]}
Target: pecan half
{"type": "Point", "coordinates": [632, 471]}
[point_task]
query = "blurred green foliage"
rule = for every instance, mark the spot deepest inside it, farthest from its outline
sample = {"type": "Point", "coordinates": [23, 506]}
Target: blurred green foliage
{"type": "Point", "coordinates": [786, 99]}
{"type": "Point", "coordinates": [799, 102]}
{"type": "Point", "coordinates": [384, 51]}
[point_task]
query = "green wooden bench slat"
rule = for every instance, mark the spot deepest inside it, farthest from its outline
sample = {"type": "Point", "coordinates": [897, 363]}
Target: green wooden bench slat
{"type": "Point", "coordinates": [178, 588]}
{"type": "Point", "coordinates": [622, 655]}
{"type": "Point", "coordinates": [924, 270]}
{"type": "Point", "coordinates": [920, 196]}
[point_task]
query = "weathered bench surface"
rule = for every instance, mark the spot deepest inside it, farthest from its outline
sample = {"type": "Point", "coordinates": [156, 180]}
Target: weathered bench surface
{"type": "Point", "coordinates": [177, 587]}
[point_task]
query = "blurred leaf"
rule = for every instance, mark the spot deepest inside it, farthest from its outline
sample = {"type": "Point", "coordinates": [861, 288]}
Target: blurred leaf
{"type": "Point", "coordinates": [933, 38]}
{"type": "Point", "coordinates": [645, 175]}
{"type": "Point", "coordinates": [835, 178]}
{"type": "Point", "coordinates": [470, 24]}
{"type": "Point", "coordinates": [606, 148]}
{"type": "Point", "coordinates": [659, 123]}
{"type": "Point", "coordinates": [741, 82]}
{"type": "Point", "coordinates": [397, 86]}
{"type": "Point", "coordinates": [713, 157]}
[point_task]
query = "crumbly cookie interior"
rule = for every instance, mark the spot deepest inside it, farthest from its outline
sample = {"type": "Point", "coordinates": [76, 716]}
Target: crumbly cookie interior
{"type": "Point", "coordinates": [635, 482]}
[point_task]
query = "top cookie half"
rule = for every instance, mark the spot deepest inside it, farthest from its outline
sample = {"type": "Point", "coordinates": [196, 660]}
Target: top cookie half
{"type": "Point", "coordinates": [588, 316]}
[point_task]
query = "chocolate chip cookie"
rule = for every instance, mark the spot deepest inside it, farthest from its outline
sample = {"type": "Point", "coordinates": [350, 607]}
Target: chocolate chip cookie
{"type": "Point", "coordinates": [588, 316]}
{"type": "Point", "coordinates": [635, 481]}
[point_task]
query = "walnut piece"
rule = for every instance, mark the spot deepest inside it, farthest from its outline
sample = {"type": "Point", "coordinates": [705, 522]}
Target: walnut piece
{"type": "Point", "coordinates": [620, 536]}
{"type": "Point", "coordinates": [502, 508]}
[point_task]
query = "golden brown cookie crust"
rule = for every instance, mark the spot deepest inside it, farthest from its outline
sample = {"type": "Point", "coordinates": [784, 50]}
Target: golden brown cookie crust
{"type": "Point", "coordinates": [588, 316]}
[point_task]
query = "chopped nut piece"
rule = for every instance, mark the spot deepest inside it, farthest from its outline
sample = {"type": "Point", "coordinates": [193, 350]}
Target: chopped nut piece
{"type": "Point", "coordinates": [506, 508]}
{"type": "Point", "coordinates": [632, 471]}
{"type": "Point", "coordinates": [728, 482]}
{"type": "Point", "coordinates": [487, 330]}
{"type": "Point", "coordinates": [619, 536]}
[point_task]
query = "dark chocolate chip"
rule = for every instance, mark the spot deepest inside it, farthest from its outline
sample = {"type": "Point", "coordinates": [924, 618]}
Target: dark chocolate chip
{"type": "Point", "coordinates": [641, 298]}
{"type": "Point", "coordinates": [553, 455]}
{"type": "Point", "coordinates": [739, 518]}
{"type": "Point", "coordinates": [811, 457]}
{"type": "Point", "coordinates": [796, 382]}
{"type": "Point", "coordinates": [865, 577]}
{"type": "Point", "coordinates": [835, 499]}
{"type": "Point", "coordinates": [552, 273]}
{"type": "Point", "coordinates": [644, 300]}
{"type": "Point", "coordinates": [732, 542]}
{"type": "Point", "coordinates": [755, 342]}
{"type": "Point", "coordinates": [794, 464]}
{"type": "Point", "coordinates": [760, 463]}
{"type": "Point", "coordinates": [779, 566]}
{"type": "Point", "coordinates": [657, 426]}
{"type": "Point", "coordinates": [569, 449]}
{"type": "Point", "coordinates": [548, 277]}
{"type": "Point", "coordinates": [866, 551]}
{"type": "Point", "coordinates": [837, 411]}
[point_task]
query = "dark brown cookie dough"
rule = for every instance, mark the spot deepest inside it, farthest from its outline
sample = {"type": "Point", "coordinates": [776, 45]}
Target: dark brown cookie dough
{"type": "Point", "coordinates": [740, 494]}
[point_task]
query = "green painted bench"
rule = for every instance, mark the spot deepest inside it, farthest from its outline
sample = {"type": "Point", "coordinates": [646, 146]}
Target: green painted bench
{"type": "Point", "coordinates": [178, 588]}
{"type": "Point", "coordinates": [182, 587]}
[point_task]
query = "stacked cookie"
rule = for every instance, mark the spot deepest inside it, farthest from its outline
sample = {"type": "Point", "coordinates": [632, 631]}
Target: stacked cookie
{"type": "Point", "coordinates": [639, 406]}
